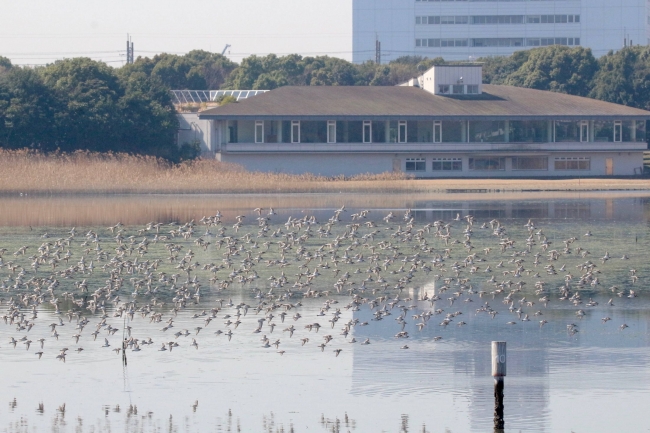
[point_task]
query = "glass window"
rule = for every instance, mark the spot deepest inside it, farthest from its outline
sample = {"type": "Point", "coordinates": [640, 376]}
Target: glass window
{"type": "Point", "coordinates": [443, 88]}
{"type": "Point", "coordinates": [458, 89]}
{"type": "Point", "coordinates": [418, 20]}
{"type": "Point", "coordinates": [259, 131]}
{"type": "Point", "coordinates": [415, 164]}
{"type": "Point", "coordinates": [401, 134]}
{"type": "Point", "coordinates": [472, 89]}
{"type": "Point", "coordinates": [603, 130]}
{"type": "Point", "coordinates": [246, 131]}
{"type": "Point", "coordinates": [232, 131]}
{"type": "Point", "coordinates": [488, 163]}
{"type": "Point", "coordinates": [447, 164]}
{"type": "Point", "coordinates": [530, 163]}
{"type": "Point", "coordinates": [313, 131]}
{"type": "Point", "coordinates": [378, 132]}
{"type": "Point", "coordinates": [437, 131]}
{"type": "Point", "coordinates": [487, 131]}
{"type": "Point", "coordinates": [575, 163]}
{"type": "Point", "coordinates": [419, 131]}
{"type": "Point", "coordinates": [271, 128]}
{"type": "Point", "coordinates": [392, 131]}
{"type": "Point", "coordinates": [349, 132]}
{"type": "Point", "coordinates": [584, 131]}
{"type": "Point", "coordinates": [367, 131]}
{"type": "Point", "coordinates": [453, 131]}
{"type": "Point", "coordinates": [567, 130]}
{"type": "Point", "coordinates": [295, 131]}
{"type": "Point", "coordinates": [331, 131]}
{"type": "Point", "coordinates": [618, 131]}
{"type": "Point", "coordinates": [529, 131]}
{"type": "Point", "coordinates": [640, 130]}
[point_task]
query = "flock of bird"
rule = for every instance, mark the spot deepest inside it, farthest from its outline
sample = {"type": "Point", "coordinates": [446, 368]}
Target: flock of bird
{"type": "Point", "coordinates": [93, 286]}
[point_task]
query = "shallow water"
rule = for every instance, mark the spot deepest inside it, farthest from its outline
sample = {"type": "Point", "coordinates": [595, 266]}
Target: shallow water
{"type": "Point", "coordinates": [594, 380]}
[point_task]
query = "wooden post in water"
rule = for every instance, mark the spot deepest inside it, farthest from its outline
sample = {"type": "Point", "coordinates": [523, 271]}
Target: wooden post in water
{"type": "Point", "coordinates": [499, 373]}
{"type": "Point", "coordinates": [498, 359]}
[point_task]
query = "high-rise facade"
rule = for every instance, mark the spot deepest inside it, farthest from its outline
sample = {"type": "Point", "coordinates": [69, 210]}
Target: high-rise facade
{"type": "Point", "coordinates": [468, 29]}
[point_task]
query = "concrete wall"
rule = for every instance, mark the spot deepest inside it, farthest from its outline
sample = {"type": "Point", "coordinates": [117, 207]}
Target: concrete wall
{"type": "Point", "coordinates": [624, 163]}
{"type": "Point", "coordinates": [603, 26]}
{"type": "Point", "coordinates": [192, 128]}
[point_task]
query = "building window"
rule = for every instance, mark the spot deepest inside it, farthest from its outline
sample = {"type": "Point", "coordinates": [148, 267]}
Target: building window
{"type": "Point", "coordinates": [295, 131]}
{"type": "Point", "coordinates": [497, 42]}
{"type": "Point", "coordinates": [472, 89]}
{"type": "Point", "coordinates": [530, 163]}
{"type": "Point", "coordinates": [437, 131]}
{"type": "Point", "coordinates": [447, 164]}
{"type": "Point", "coordinates": [618, 131]}
{"type": "Point", "coordinates": [443, 88]}
{"type": "Point", "coordinates": [259, 131]}
{"type": "Point", "coordinates": [584, 131]}
{"type": "Point", "coordinates": [367, 131]}
{"type": "Point", "coordinates": [575, 163]}
{"type": "Point", "coordinates": [458, 89]}
{"type": "Point", "coordinates": [401, 131]}
{"type": "Point", "coordinates": [331, 131]}
{"type": "Point", "coordinates": [415, 164]}
{"type": "Point", "coordinates": [487, 164]}
{"type": "Point", "coordinates": [232, 131]}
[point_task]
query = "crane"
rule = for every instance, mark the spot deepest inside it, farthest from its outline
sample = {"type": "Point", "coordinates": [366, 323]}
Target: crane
{"type": "Point", "coordinates": [224, 49]}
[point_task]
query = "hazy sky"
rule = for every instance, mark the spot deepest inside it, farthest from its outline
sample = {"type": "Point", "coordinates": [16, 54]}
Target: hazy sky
{"type": "Point", "coordinates": [41, 31]}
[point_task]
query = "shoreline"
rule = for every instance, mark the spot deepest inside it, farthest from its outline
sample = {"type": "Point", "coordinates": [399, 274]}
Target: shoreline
{"type": "Point", "coordinates": [347, 186]}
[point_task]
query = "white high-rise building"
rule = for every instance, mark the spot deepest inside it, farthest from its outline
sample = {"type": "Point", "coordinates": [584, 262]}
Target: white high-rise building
{"type": "Point", "coordinates": [467, 29]}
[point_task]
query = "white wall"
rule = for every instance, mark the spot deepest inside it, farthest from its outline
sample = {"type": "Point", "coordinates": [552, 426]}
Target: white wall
{"type": "Point", "coordinates": [603, 25]}
{"type": "Point", "coordinates": [192, 128]}
{"type": "Point", "coordinates": [624, 164]}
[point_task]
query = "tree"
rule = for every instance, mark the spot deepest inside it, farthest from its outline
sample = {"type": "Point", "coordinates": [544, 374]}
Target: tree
{"type": "Point", "coordinates": [27, 110]}
{"type": "Point", "coordinates": [497, 69]}
{"type": "Point", "coordinates": [558, 69]}
{"type": "Point", "coordinates": [148, 120]}
{"type": "Point", "coordinates": [5, 64]}
{"type": "Point", "coordinates": [87, 92]}
{"type": "Point", "coordinates": [624, 78]}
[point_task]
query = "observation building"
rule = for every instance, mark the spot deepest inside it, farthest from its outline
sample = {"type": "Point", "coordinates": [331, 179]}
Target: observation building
{"type": "Point", "coordinates": [445, 123]}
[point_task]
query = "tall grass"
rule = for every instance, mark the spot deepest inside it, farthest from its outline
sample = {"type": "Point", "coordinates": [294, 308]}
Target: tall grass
{"type": "Point", "coordinates": [28, 171]}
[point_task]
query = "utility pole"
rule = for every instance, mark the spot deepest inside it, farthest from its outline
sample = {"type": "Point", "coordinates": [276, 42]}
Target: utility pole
{"type": "Point", "coordinates": [377, 51]}
{"type": "Point", "coordinates": [129, 50]}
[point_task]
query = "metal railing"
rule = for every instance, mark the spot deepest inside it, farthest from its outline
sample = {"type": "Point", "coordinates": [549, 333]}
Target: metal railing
{"type": "Point", "coordinates": [198, 96]}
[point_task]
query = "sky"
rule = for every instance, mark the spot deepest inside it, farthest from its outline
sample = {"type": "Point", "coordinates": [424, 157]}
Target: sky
{"type": "Point", "coordinates": [36, 32]}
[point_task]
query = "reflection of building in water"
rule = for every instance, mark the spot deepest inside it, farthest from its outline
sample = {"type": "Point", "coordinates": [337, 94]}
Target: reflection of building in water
{"type": "Point", "coordinates": [620, 209]}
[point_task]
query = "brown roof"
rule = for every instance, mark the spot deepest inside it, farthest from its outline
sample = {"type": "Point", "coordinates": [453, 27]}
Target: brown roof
{"type": "Point", "coordinates": [359, 102]}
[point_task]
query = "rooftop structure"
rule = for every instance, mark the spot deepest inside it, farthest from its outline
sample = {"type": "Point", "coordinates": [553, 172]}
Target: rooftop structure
{"type": "Point", "coordinates": [464, 29]}
{"type": "Point", "coordinates": [444, 123]}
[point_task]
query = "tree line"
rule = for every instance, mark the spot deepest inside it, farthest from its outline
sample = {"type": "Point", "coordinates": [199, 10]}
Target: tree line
{"type": "Point", "coordinates": [81, 104]}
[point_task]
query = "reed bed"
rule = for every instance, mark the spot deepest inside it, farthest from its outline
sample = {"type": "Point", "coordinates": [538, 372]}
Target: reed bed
{"type": "Point", "coordinates": [25, 171]}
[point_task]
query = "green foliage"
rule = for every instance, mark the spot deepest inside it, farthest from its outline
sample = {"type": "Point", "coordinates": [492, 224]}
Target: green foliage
{"type": "Point", "coordinates": [498, 68]}
{"type": "Point", "coordinates": [624, 77]}
{"type": "Point", "coordinates": [226, 99]}
{"type": "Point", "coordinates": [558, 69]}
{"type": "Point", "coordinates": [188, 151]}
{"type": "Point", "coordinates": [5, 64]}
{"type": "Point", "coordinates": [80, 104]}
{"type": "Point", "coordinates": [197, 70]}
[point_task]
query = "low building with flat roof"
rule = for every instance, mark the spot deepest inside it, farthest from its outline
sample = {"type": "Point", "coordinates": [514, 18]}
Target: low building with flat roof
{"type": "Point", "coordinates": [445, 123]}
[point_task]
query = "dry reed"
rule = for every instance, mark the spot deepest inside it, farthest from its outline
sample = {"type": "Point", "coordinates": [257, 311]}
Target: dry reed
{"type": "Point", "coordinates": [86, 172]}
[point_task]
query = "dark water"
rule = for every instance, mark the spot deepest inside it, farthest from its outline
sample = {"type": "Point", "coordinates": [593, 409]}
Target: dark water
{"type": "Point", "coordinates": [593, 380]}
